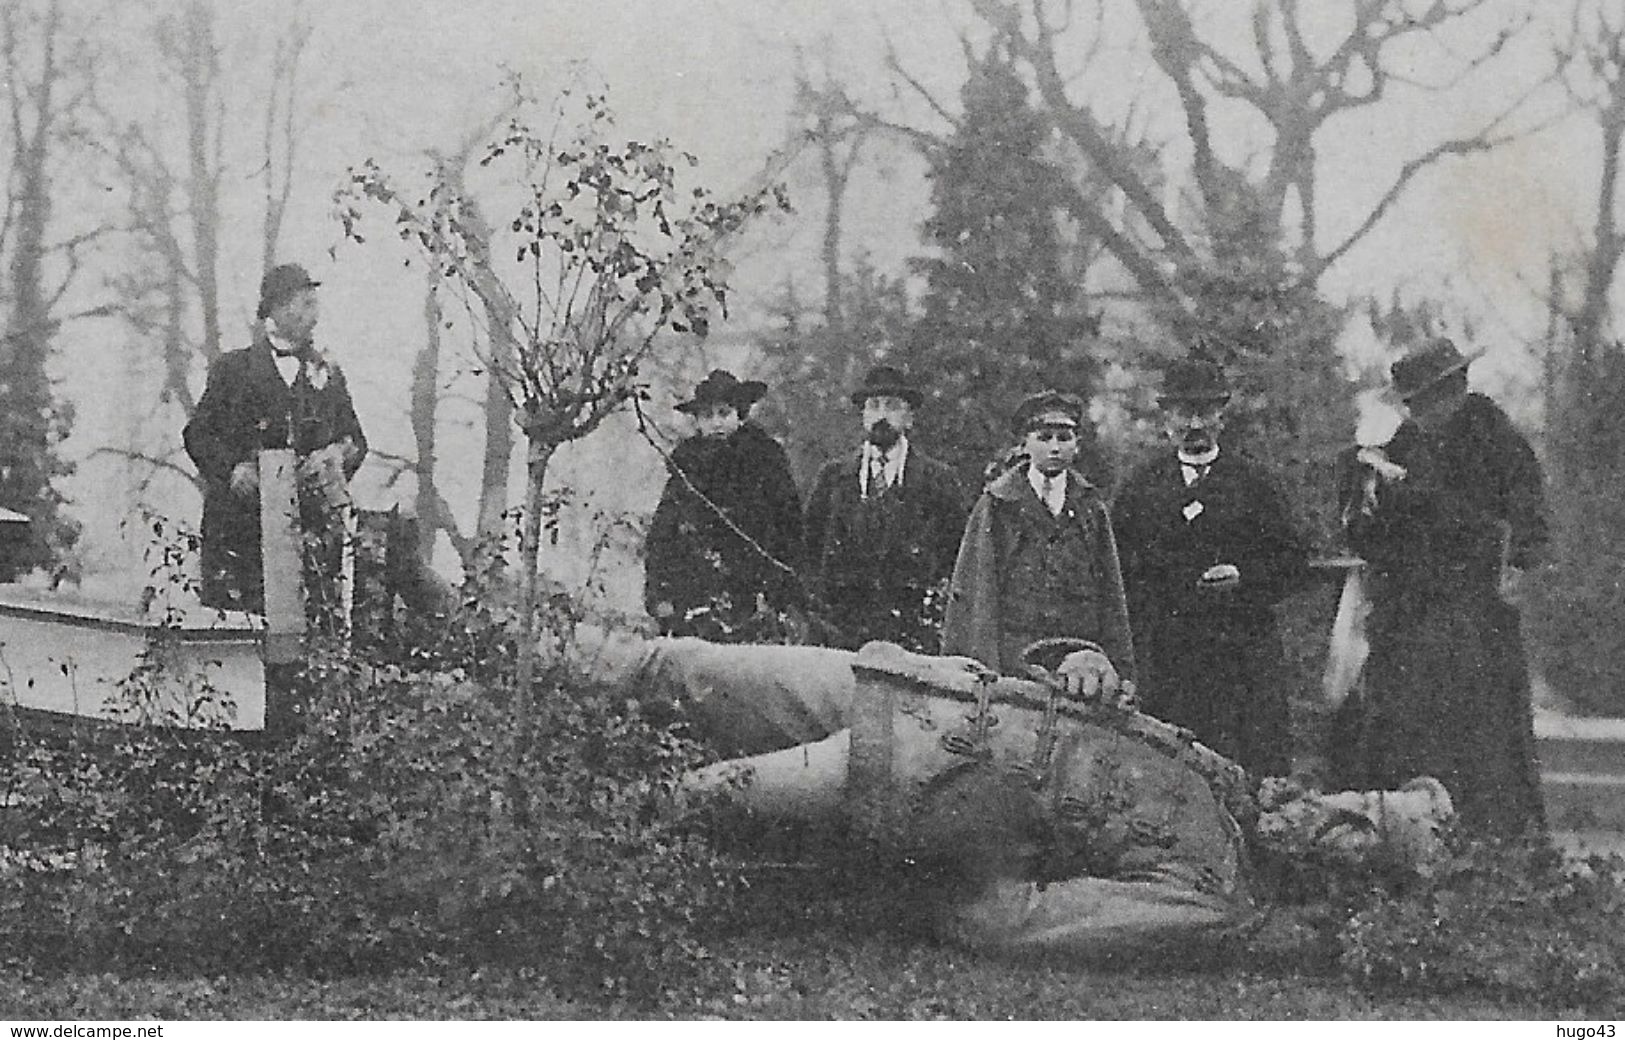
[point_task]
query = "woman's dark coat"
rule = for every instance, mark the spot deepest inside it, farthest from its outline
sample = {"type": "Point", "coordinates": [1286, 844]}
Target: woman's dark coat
{"type": "Point", "coordinates": [246, 407]}
{"type": "Point", "coordinates": [1212, 662]}
{"type": "Point", "coordinates": [1447, 691]}
{"type": "Point", "coordinates": [695, 561]}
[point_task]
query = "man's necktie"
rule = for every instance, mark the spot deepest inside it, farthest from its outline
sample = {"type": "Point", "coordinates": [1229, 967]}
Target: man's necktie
{"type": "Point", "coordinates": [1052, 501]}
{"type": "Point", "coordinates": [877, 474]}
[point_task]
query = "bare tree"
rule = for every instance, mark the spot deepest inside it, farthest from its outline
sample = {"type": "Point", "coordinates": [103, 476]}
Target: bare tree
{"type": "Point", "coordinates": [280, 140]}
{"type": "Point", "coordinates": [1576, 615]}
{"type": "Point", "coordinates": [173, 171]}
{"type": "Point", "coordinates": [174, 202]}
{"type": "Point", "coordinates": [47, 85]}
{"type": "Point", "coordinates": [837, 131]}
{"type": "Point", "coordinates": [1296, 90]}
{"type": "Point", "coordinates": [433, 511]}
{"type": "Point", "coordinates": [1593, 64]}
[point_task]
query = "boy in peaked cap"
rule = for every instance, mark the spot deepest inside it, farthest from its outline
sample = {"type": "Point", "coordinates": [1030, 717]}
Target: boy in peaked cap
{"type": "Point", "coordinates": [1038, 559]}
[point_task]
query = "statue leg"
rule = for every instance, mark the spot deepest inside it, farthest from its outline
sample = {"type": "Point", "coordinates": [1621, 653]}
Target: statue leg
{"type": "Point", "coordinates": [1087, 915]}
{"type": "Point", "coordinates": [742, 699]}
{"type": "Point", "coordinates": [805, 783]}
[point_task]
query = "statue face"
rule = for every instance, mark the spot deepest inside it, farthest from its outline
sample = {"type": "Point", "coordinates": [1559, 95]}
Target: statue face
{"type": "Point", "coordinates": [1193, 426]}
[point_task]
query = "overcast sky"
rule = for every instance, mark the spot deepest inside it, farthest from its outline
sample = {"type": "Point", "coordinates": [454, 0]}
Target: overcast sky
{"type": "Point", "coordinates": [392, 78]}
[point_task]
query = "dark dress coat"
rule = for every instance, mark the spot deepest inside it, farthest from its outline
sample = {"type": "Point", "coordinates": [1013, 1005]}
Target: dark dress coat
{"type": "Point", "coordinates": [1023, 574]}
{"type": "Point", "coordinates": [246, 408]}
{"type": "Point", "coordinates": [875, 562]}
{"type": "Point", "coordinates": [698, 563]}
{"type": "Point", "coordinates": [1447, 686]}
{"type": "Point", "coordinates": [1212, 661]}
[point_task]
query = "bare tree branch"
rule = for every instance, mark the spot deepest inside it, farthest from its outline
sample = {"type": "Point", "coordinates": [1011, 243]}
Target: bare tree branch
{"type": "Point", "coordinates": [155, 462]}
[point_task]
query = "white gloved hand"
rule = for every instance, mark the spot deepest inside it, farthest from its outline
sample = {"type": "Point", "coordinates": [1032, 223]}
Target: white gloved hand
{"type": "Point", "coordinates": [1378, 460]}
{"type": "Point", "coordinates": [1219, 578]}
{"type": "Point", "coordinates": [324, 467]}
{"type": "Point", "coordinates": [245, 478]}
{"type": "Point", "coordinates": [1089, 675]}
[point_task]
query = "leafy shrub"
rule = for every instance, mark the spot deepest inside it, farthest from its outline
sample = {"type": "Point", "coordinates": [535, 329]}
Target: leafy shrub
{"type": "Point", "coordinates": [399, 825]}
{"type": "Point", "coordinates": [1514, 921]}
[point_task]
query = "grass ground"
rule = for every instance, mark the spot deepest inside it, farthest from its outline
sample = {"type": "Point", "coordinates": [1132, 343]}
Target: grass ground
{"type": "Point", "coordinates": [798, 955]}
{"type": "Point", "coordinates": [805, 977]}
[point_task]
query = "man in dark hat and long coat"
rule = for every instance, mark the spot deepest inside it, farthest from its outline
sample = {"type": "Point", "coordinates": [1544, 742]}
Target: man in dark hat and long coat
{"type": "Point", "coordinates": [726, 537]}
{"type": "Point", "coordinates": [883, 524]}
{"type": "Point", "coordinates": [1446, 515]}
{"type": "Point", "coordinates": [1038, 559]}
{"type": "Point", "coordinates": [281, 392]}
{"type": "Point", "coordinates": [1209, 548]}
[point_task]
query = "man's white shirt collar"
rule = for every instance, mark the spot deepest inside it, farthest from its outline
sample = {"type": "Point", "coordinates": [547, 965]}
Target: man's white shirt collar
{"type": "Point", "coordinates": [1195, 467]}
{"type": "Point", "coordinates": [890, 463]}
{"type": "Point", "coordinates": [287, 366]}
{"type": "Point", "coordinates": [1050, 490]}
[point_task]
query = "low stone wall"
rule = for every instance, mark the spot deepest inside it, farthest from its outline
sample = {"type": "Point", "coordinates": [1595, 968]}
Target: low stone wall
{"type": "Point", "coordinates": [1582, 768]}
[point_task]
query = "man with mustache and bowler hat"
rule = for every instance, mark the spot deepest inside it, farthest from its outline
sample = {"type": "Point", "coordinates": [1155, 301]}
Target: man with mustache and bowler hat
{"type": "Point", "coordinates": [280, 392]}
{"type": "Point", "coordinates": [883, 524]}
{"type": "Point", "coordinates": [1209, 548]}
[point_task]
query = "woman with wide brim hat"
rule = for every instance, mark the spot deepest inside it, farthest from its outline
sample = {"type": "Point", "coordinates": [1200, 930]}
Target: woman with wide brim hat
{"type": "Point", "coordinates": [723, 387]}
{"type": "Point", "coordinates": [1428, 367]}
{"type": "Point", "coordinates": [1445, 515]}
{"type": "Point", "coordinates": [726, 537]}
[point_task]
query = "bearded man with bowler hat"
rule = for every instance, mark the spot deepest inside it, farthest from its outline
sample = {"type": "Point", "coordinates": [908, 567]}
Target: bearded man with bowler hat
{"type": "Point", "coordinates": [1209, 548]}
{"type": "Point", "coordinates": [883, 524]}
{"type": "Point", "coordinates": [1039, 558]}
{"type": "Point", "coordinates": [725, 542]}
{"type": "Point", "coordinates": [280, 392]}
{"type": "Point", "coordinates": [1447, 515]}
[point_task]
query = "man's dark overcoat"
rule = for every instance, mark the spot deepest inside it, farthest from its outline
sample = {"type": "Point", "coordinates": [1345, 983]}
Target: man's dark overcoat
{"type": "Point", "coordinates": [1024, 575]}
{"type": "Point", "coordinates": [245, 408]}
{"type": "Point", "coordinates": [874, 561]}
{"type": "Point", "coordinates": [1212, 661]}
{"type": "Point", "coordinates": [698, 563]}
{"type": "Point", "coordinates": [1447, 685]}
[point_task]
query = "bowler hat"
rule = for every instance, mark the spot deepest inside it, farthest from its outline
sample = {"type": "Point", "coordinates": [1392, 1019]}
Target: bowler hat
{"type": "Point", "coordinates": [886, 381]}
{"type": "Point", "coordinates": [1194, 379]}
{"type": "Point", "coordinates": [722, 387]}
{"type": "Point", "coordinates": [1048, 402]}
{"type": "Point", "coordinates": [280, 283]}
{"type": "Point", "coordinates": [1427, 365]}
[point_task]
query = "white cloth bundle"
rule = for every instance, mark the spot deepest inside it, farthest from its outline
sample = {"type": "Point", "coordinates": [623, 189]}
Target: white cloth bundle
{"type": "Point", "coordinates": [1345, 659]}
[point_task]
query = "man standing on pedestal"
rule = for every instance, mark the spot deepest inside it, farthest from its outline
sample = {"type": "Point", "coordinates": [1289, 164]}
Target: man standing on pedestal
{"type": "Point", "coordinates": [1208, 549]}
{"type": "Point", "coordinates": [279, 393]}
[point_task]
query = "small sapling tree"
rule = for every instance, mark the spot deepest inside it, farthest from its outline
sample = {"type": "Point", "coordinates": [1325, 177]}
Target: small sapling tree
{"type": "Point", "coordinates": [610, 248]}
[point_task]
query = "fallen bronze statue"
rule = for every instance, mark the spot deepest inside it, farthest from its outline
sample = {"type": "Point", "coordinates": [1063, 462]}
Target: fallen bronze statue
{"type": "Point", "coordinates": [1075, 823]}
